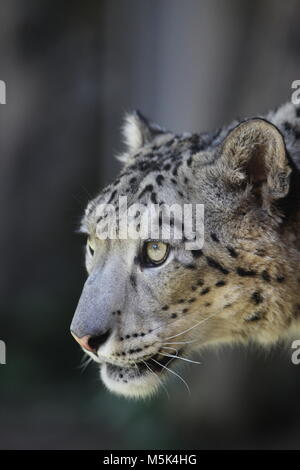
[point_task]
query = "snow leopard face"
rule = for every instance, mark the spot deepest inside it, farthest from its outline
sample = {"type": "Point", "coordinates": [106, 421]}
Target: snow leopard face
{"type": "Point", "coordinates": [149, 304]}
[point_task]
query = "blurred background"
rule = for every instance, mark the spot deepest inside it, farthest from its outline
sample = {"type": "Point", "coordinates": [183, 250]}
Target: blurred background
{"type": "Point", "coordinates": [72, 69]}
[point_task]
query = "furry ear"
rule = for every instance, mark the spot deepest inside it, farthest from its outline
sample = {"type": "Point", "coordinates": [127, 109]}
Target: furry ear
{"type": "Point", "coordinates": [138, 131]}
{"type": "Point", "coordinates": [254, 152]}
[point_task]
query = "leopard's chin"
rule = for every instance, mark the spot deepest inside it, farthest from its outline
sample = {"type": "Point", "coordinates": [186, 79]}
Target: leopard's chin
{"type": "Point", "coordinates": [128, 382]}
{"type": "Point", "coordinates": [134, 382]}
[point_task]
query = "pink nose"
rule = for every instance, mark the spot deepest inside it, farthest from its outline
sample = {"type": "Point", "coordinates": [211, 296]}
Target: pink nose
{"type": "Point", "coordinates": [84, 342]}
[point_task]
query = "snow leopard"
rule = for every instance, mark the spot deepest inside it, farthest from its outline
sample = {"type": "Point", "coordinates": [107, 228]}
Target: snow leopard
{"type": "Point", "coordinates": [148, 304]}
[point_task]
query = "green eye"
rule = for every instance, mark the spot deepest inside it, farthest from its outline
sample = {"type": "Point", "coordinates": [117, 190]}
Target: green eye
{"type": "Point", "coordinates": [155, 252]}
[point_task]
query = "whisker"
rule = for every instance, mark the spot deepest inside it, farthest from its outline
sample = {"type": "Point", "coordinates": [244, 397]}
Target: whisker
{"type": "Point", "coordinates": [84, 363]}
{"type": "Point", "coordinates": [180, 357]}
{"type": "Point", "coordinates": [178, 320]}
{"type": "Point", "coordinates": [159, 379]}
{"type": "Point", "coordinates": [182, 342]}
{"type": "Point", "coordinates": [173, 349]}
{"type": "Point", "coordinates": [191, 327]}
{"type": "Point", "coordinates": [172, 372]}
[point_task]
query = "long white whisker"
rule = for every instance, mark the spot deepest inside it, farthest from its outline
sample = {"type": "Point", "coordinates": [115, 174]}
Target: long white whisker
{"type": "Point", "coordinates": [172, 372]}
{"type": "Point", "coordinates": [173, 349]}
{"type": "Point", "coordinates": [159, 379]}
{"type": "Point", "coordinates": [182, 342]}
{"type": "Point", "coordinates": [180, 357]}
{"type": "Point", "coordinates": [84, 363]}
{"type": "Point", "coordinates": [191, 327]}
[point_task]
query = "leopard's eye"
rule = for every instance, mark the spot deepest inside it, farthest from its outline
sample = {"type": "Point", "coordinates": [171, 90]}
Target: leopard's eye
{"type": "Point", "coordinates": [90, 247]}
{"type": "Point", "coordinates": [155, 253]}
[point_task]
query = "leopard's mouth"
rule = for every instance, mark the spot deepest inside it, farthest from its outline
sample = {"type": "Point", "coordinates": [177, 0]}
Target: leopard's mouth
{"type": "Point", "coordinates": [139, 379]}
{"type": "Point", "coordinates": [155, 363]}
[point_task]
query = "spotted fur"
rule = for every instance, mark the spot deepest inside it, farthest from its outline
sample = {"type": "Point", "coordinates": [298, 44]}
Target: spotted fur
{"type": "Point", "coordinates": [244, 285]}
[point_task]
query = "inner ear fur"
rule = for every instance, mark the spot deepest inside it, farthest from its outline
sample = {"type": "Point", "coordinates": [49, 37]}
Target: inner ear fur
{"type": "Point", "coordinates": [254, 152]}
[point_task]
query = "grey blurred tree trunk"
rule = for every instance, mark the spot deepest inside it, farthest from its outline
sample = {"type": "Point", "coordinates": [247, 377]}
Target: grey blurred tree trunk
{"type": "Point", "coordinates": [50, 148]}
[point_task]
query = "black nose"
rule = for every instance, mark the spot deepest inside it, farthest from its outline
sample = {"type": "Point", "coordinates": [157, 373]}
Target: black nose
{"type": "Point", "coordinates": [95, 342]}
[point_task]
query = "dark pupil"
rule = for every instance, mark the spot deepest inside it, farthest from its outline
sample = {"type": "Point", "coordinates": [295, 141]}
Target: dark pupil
{"type": "Point", "coordinates": [155, 246]}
